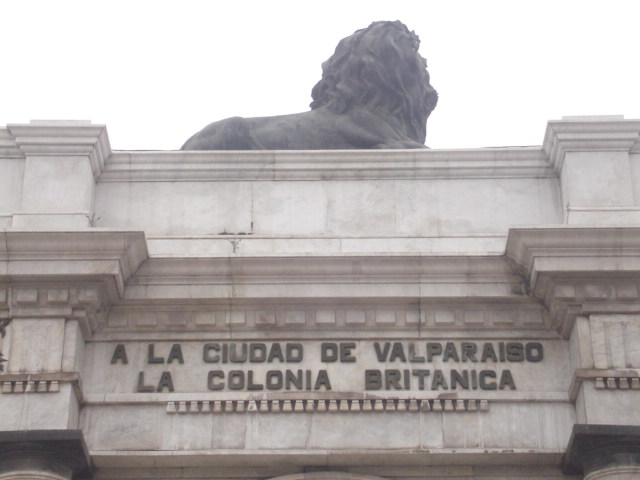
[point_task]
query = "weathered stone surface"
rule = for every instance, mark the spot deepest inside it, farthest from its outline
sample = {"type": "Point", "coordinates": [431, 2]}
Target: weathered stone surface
{"type": "Point", "coordinates": [383, 258]}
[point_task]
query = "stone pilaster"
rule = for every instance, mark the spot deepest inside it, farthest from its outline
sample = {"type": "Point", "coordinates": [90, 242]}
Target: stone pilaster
{"type": "Point", "coordinates": [589, 280]}
{"type": "Point", "coordinates": [55, 291]}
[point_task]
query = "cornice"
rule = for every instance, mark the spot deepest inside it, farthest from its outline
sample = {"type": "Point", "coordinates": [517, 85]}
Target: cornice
{"type": "Point", "coordinates": [326, 164]}
{"type": "Point", "coordinates": [60, 138]}
{"type": "Point", "coordinates": [92, 254]}
{"type": "Point", "coordinates": [604, 133]}
{"type": "Point", "coordinates": [579, 270]}
{"type": "Point", "coordinates": [329, 266]}
{"type": "Point", "coordinates": [8, 146]}
{"type": "Point", "coordinates": [330, 276]}
{"type": "Point", "coordinates": [574, 250]}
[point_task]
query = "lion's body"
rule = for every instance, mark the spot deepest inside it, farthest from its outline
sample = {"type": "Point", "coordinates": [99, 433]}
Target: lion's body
{"type": "Point", "coordinates": [374, 93]}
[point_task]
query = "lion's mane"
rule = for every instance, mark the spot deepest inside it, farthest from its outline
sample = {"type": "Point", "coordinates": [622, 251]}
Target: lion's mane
{"type": "Point", "coordinates": [374, 93]}
{"type": "Point", "coordinates": [379, 68]}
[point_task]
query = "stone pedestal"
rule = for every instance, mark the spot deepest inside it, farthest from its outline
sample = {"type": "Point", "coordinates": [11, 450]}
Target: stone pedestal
{"type": "Point", "coordinates": [592, 154]}
{"type": "Point", "coordinates": [62, 162]}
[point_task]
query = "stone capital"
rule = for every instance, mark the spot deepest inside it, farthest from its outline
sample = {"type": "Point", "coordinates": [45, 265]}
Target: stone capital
{"type": "Point", "coordinates": [597, 449]}
{"type": "Point", "coordinates": [44, 454]}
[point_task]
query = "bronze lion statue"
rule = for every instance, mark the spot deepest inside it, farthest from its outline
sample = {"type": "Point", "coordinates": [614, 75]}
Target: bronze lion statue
{"type": "Point", "coordinates": [374, 93]}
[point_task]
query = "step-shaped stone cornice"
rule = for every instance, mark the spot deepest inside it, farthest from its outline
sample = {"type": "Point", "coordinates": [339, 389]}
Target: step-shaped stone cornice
{"type": "Point", "coordinates": [597, 133]}
{"type": "Point", "coordinates": [579, 270]}
{"type": "Point", "coordinates": [57, 138]}
{"type": "Point", "coordinates": [62, 137]}
{"type": "Point", "coordinates": [303, 294]}
{"type": "Point", "coordinates": [73, 274]}
{"type": "Point", "coordinates": [313, 277]}
{"type": "Point", "coordinates": [42, 256]}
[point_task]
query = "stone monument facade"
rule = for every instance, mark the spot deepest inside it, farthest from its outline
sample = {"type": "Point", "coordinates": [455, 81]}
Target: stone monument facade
{"type": "Point", "coordinates": [318, 315]}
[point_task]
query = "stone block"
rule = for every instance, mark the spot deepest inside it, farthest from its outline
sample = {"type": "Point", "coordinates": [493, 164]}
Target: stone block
{"type": "Point", "coordinates": [295, 317]}
{"type": "Point", "coordinates": [265, 318]}
{"type": "Point", "coordinates": [173, 319]}
{"type": "Point", "coordinates": [355, 317]}
{"type": "Point", "coordinates": [117, 319]}
{"type": "Point", "coordinates": [58, 295]}
{"type": "Point", "coordinates": [36, 345]}
{"type": "Point", "coordinates": [387, 317]}
{"type": "Point", "coordinates": [472, 317]}
{"type": "Point", "coordinates": [26, 295]}
{"type": "Point", "coordinates": [237, 317]}
{"type": "Point", "coordinates": [144, 319]}
{"type": "Point", "coordinates": [205, 318]}
{"type": "Point", "coordinates": [122, 427]}
{"type": "Point", "coordinates": [444, 317]}
{"type": "Point", "coordinates": [324, 317]}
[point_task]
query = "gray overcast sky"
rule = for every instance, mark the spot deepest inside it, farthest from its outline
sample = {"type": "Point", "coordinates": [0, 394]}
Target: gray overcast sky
{"type": "Point", "coordinates": [155, 72]}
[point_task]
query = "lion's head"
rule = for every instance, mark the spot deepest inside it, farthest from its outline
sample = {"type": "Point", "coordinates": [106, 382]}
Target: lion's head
{"type": "Point", "coordinates": [379, 68]}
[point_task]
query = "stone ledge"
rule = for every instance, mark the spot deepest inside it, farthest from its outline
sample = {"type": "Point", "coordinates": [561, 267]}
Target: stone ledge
{"type": "Point", "coordinates": [604, 379]}
{"type": "Point", "coordinates": [221, 458]}
{"type": "Point", "coordinates": [238, 245]}
{"type": "Point", "coordinates": [512, 162]}
{"type": "Point", "coordinates": [575, 269]}
{"type": "Point", "coordinates": [39, 382]}
{"type": "Point", "coordinates": [77, 255]}
{"type": "Point", "coordinates": [354, 315]}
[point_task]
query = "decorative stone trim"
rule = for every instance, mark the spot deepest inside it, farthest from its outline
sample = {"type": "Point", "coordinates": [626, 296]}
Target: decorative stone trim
{"type": "Point", "coordinates": [617, 383]}
{"type": "Point", "coordinates": [327, 406]}
{"type": "Point", "coordinates": [132, 166]}
{"type": "Point", "coordinates": [31, 386]}
{"type": "Point", "coordinates": [326, 473]}
{"type": "Point", "coordinates": [54, 301]}
{"type": "Point", "coordinates": [307, 317]}
{"type": "Point", "coordinates": [38, 383]}
{"type": "Point", "coordinates": [604, 380]}
{"type": "Point", "coordinates": [87, 304]}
